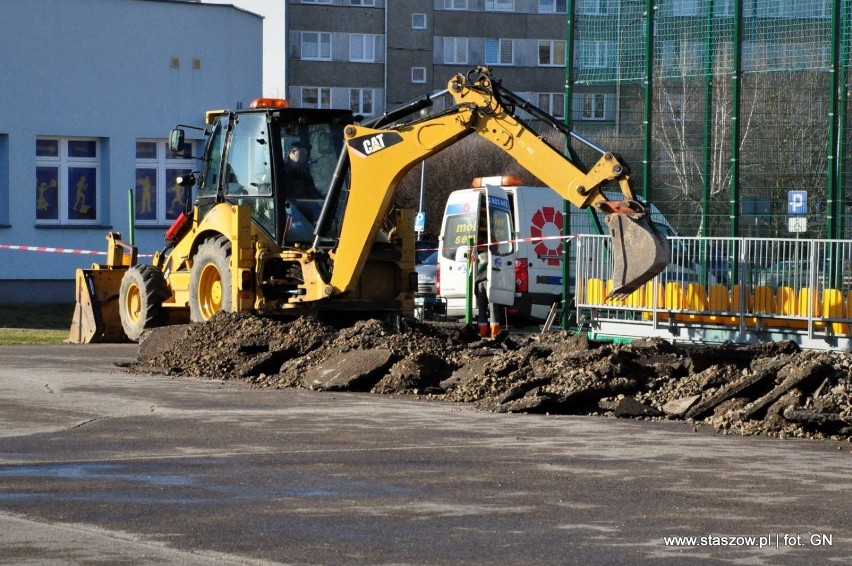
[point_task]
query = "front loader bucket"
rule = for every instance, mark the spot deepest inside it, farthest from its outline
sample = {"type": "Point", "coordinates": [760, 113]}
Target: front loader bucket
{"type": "Point", "coordinates": [639, 252]}
{"type": "Point", "coordinates": [96, 316]}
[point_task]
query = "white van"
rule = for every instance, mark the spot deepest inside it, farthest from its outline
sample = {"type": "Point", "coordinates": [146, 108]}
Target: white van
{"type": "Point", "coordinates": [537, 216]}
{"type": "Point", "coordinates": [476, 217]}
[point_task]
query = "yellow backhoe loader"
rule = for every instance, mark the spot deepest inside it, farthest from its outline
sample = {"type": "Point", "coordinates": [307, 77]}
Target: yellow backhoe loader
{"type": "Point", "coordinates": [274, 236]}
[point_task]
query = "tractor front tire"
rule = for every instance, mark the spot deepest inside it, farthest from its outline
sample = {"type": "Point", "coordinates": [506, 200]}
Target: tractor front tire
{"type": "Point", "coordinates": [140, 300]}
{"type": "Point", "coordinates": [210, 280]}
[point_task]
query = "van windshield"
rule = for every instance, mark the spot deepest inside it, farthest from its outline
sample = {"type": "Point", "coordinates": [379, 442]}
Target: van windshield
{"type": "Point", "coordinates": [460, 231]}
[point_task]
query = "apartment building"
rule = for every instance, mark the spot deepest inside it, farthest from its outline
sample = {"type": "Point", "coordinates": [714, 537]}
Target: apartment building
{"type": "Point", "coordinates": [374, 54]}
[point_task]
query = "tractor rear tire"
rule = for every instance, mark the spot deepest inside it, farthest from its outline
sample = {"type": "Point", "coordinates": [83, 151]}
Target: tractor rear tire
{"type": "Point", "coordinates": [210, 280]}
{"type": "Point", "coordinates": [140, 300]}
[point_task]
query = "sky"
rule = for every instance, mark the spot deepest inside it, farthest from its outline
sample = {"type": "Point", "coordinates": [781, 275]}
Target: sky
{"type": "Point", "coordinates": [274, 45]}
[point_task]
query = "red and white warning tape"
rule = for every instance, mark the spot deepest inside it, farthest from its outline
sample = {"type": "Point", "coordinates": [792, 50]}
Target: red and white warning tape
{"type": "Point", "coordinates": [535, 239]}
{"type": "Point", "coordinates": [48, 249]}
{"type": "Point", "coordinates": [94, 252]}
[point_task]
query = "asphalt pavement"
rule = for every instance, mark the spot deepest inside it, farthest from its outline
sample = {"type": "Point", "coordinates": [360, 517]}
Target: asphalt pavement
{"type": "Point", "coordinates": [98, 465]}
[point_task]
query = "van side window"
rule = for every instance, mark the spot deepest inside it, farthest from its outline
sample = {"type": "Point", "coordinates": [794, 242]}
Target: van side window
{"type": "Point", "coordinates": [501, 232]}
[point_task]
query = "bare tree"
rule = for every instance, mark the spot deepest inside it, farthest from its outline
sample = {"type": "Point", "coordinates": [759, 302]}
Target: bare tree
{"type": "Point", "coordinates": [782, 142]}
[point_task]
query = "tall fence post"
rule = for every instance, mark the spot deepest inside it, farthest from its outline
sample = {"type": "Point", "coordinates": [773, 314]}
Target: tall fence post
{"type": "Point", "coordinates": [647, 151]}
{"type": "Point", "coordinates": [736, 81]}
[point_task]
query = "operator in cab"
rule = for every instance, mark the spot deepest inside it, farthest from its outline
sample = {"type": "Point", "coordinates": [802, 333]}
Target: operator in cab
{"type": "Point", "coordinates": [300, 182]}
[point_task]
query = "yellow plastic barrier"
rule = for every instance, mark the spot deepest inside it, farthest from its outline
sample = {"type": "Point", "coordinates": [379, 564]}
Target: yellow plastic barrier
{"type": "Point", "coordinates": [764, 303]}
{"type": "Point", "coordinates": [786, 306]}
{"type": "Point", "coordinates": [675, 300]}
{"type": "Point", "coordinates": [615, 302]}
{"type": "Point", "coordinates": [675, 296]}
{"type": "Point", "coordinates": [636, 299]}
{"type": "Point", "coordinates": [718, 300]}
{"type": "Point", "coordinates": [736, 302]}
{"type": "Point", "coordinates": [595, 291]}
{"type": "Point", "coordinates": [806, 297]}
{"type": "Point", "coordinates": [849, 304]}
{"type": "Point", "coordinates": [833, 307]}
{"type": "Point", "coordinates": [650, 303]}
{"type": "Point", "coordinates": [696, 300]}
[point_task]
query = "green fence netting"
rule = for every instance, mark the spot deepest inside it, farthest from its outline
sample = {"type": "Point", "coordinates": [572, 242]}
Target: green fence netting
{"type": "Point", "coordinates": [733, 114]}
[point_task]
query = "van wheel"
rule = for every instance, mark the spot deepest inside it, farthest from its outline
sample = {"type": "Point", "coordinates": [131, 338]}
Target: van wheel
{"type": "Point", "coordinates": [210, 280]}
{"type": "Point", "coordinates": [140, 304]}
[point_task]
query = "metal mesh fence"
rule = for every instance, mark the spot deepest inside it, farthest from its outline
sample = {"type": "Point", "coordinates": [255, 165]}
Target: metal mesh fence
{"type": "Point", "coordinates": [733, 114]}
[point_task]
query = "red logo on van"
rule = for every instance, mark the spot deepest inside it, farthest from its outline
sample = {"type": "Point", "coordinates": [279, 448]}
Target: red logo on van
{"type": "Point", "coordinates": [547, 222]}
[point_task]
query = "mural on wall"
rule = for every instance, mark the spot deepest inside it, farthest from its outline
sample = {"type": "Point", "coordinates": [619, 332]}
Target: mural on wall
{"type": "Point", "coordinates": [47, 193]}
{"type": "Point", "coordinates": [146, 191]}
{"type": "Point", "coordinates": [82, 181]}
{"type": "Point", "coordinates": [82, 193]}
{"type": "Point", "coordinates": [176, 195]}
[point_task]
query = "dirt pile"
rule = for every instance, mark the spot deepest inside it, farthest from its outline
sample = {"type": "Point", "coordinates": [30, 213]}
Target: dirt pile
{"type": "Point", "coordinates": [770, 389]}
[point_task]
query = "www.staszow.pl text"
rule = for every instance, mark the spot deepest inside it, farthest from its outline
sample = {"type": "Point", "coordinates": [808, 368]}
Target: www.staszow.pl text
{"type": "Point", "coordinates": [762, 541]}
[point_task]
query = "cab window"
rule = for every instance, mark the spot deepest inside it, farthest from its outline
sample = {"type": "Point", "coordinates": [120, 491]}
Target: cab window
{"type": "Point", "coordinates": [212, 165]}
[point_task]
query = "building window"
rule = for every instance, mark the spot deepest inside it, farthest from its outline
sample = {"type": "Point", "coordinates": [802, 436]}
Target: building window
{"type": "Point", "coordinates": [693, 8]}
{"type": "Point", "coordinates": [591, 7]}
{"type": "Point", "coordinates": [316, 45]}
{"type": "Point", "coordinates": [455, 4]}
{"type": "Point", "coordinates": [362, 2]}
{"type": "Point", "coordinates": [418, 74]}
{"type": "Point", "coordinates": [316, 97]}
{"type": "Point", "coordinates": [593, 54]}
{"type": "Point", "coordinates": [361, 101]}
{"type": "Point", "coordinates": [67, 177]}
{"type": "Point", "coordinates": [499, 51]}
{"type": "Point", "coordinates": [553, 103]}
{"type": "Point", "coordinates": [500, 5]}
{"type": "Point", "coordinates": [455, 50]}
{"type": "Point", "coordinates": [552, 6]}
{"type": "Point", "coordinates": [779, 9]}
{"type": "Point", "coordinates": [418, 21]}
{"type": "Point", "coordinates": [551, 52]}
{"type": "Point", "coordinates": [362, 47]}
{"type": "Point", "coordinates": [158, 197]}
{"type": "Point", "coordinates": [316, 1]}
{"type": "Point", "coordinates": [591, 107]}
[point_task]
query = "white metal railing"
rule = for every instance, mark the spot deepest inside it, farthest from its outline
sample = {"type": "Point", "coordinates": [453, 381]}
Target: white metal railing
{"type": "Point", "coordinates": [726, 288]}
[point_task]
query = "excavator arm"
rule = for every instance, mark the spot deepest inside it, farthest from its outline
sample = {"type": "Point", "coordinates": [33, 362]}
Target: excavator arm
{"type": "Point", "coordinates": [379, 157]}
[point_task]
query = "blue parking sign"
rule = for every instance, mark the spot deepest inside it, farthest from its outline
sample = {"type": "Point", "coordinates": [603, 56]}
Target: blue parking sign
{"type": "Point", "coordinates": [797, 202]}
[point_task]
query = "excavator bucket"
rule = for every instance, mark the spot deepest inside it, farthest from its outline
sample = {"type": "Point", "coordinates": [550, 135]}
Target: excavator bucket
{"type": "Point", "coordinates": [639, 252]}
{"type": "Point", "coordinates": [96, 317]}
